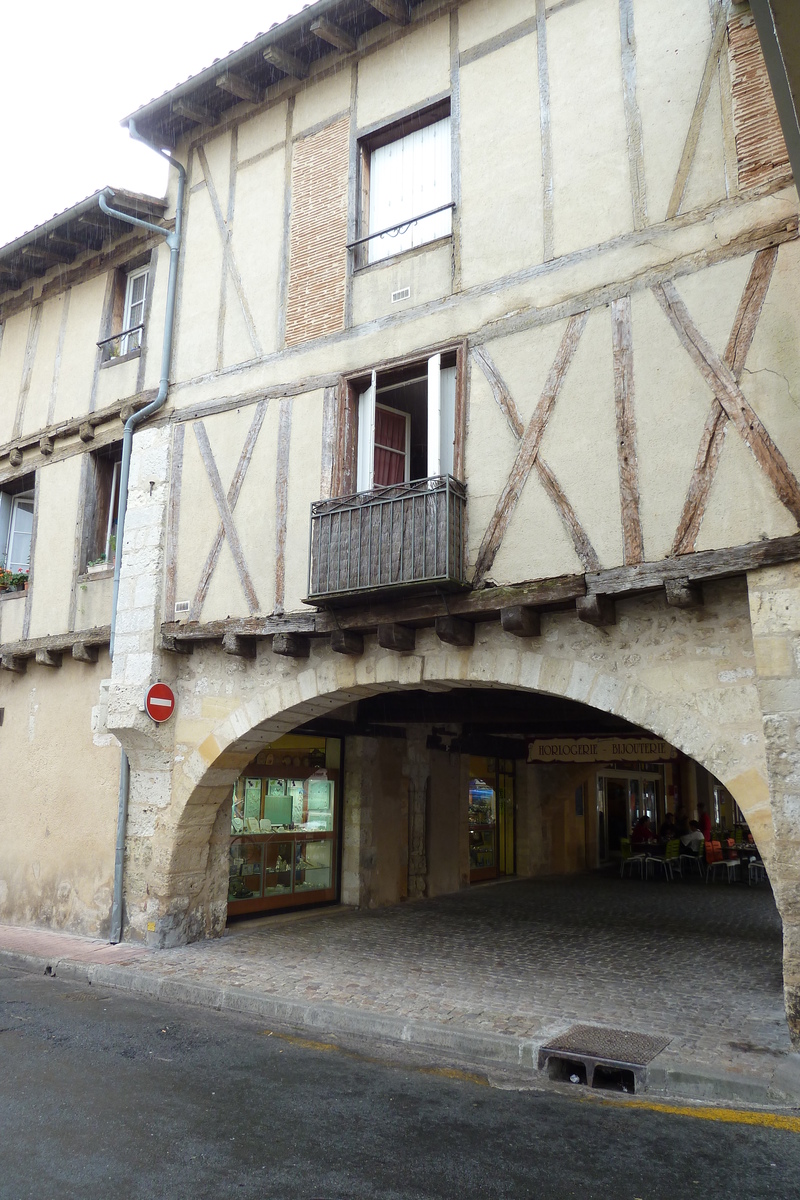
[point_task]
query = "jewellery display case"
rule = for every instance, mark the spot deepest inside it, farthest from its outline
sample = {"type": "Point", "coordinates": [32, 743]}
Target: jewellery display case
{"type": "Point", "coordinates": [283, 838]}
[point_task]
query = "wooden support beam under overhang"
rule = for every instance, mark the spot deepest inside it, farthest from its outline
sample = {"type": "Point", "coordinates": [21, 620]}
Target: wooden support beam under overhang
{"type": "Point", "coordinates": [397, 637]}
{"type": "Point", "coordinates": [521, 620]}
{"type": "Point", "coordinates": [241, 647]}
{"type": "Point", "coordinates": [48, 658]}
{"type": "Point", "coordinates": [191, 112]}
{"type": "Point", "coordinates": [9, 278]}
{"type": "Point", "coordinates": [12, 662]}
{"type": "Point", "coordinates": [455, 631]}
{"type": "Point", "coordinates": [236, 86]}
{"type": "Point", "coordinates": [347, 641]}
{"type": "Point", "coordinates": [49, 255]}
{"type": "Point", "coordinates": [291, 645]}
{"type": "Point", "coordinates": [683, 594]}
{"type": "Point", "coordinates": [596, 609]}
{"type": "Point", "coordinates": [326, 31]}
{"type": "Point", "coordinates": [85, 652]}
{"type": "Point", "coordinates": [393, 10]}
{"type": "Point", "coordinates": [288, 63]}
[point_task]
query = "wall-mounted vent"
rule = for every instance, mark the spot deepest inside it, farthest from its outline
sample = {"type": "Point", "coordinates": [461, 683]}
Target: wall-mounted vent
{"type": "Point", "coordinates": [181, 607]}
{"type": "Point", "coordinates": [403, 294]}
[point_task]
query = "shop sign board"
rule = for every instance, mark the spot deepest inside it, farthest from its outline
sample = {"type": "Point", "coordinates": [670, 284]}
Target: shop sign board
{"type": "Point", "coordinates": [159, 702]}
{"type": "Point", "coordinates": [612, 749]}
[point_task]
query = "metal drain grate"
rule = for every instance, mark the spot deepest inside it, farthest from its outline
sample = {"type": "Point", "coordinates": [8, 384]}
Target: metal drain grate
{"type": "Point", "coordinates": [611, 1045]}
{"type": "Point", "coordinates": [601, 1057]}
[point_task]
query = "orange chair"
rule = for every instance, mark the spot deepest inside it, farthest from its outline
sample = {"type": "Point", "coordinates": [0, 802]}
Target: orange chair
{"type": "Point", "coordinates": [715, 861]}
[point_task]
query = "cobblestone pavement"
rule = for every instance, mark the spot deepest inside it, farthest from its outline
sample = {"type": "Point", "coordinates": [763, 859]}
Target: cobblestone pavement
{"type": "Point", "coordinates": [699, 963]}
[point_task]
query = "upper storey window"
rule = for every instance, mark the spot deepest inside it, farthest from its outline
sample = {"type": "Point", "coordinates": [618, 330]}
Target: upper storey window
{"type": "Point", "coordinates": [16, 525]}
{"type": "Point", "coordinates": [406, 175]}
{"type": "Point", "coordinates": [133, 318]}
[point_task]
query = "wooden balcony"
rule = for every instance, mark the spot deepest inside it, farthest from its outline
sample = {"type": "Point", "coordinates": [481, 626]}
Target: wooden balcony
{"type": "Point", "coordinates": [392, 540]}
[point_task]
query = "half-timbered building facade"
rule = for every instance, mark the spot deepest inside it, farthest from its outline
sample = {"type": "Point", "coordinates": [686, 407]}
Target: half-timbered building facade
{"type": "Point", "coordinates": [481, 434]}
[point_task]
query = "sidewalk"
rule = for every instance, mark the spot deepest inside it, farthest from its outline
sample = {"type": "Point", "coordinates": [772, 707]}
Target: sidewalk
{"type": "Point", "coordinates": [486, 976]}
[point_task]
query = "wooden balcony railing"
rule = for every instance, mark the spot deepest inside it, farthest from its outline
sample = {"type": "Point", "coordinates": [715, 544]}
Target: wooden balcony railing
{"type": "Point", "coordinates": [391, 539]}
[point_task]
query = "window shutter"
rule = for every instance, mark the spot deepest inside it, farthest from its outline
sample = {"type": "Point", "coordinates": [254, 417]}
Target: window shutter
{"type": "Point", "coordinates": [448, 420]}
{"type": "Point", "coordinates": [5, 522]}
{"type": "Point", "coordinates": [434, 415]}
{"type": "Point", "coordinates": [408, 177]}
{"type": "Point", "coordinates": [366, 438]}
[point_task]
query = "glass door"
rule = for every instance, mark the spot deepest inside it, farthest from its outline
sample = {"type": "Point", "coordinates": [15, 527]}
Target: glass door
{"type": "Point", "coordinates": [491, 817]}
{"type": "Point", "coordinates": [622, 798]}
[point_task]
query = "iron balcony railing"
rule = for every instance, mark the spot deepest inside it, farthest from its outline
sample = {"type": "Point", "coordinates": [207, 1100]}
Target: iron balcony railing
{"type": "Point", "coordinates": [391, 538]}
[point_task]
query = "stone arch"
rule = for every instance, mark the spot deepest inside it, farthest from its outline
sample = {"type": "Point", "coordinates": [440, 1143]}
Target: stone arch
{"type": "Point", "coordinates": [719, 727]}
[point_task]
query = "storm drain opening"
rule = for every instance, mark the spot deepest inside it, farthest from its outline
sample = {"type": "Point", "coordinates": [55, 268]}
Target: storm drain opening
{"type": "Point", "coordinates": [613, 1059]}
{"type": "Point", "coordinates": [566, 1070]}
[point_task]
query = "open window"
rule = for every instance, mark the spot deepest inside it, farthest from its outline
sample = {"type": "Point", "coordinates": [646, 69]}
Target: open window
{"type": "Point", "coordinates": [126, 320]}
{"type": "Point", "coordinates": [102, 506]}
{"type": "Point", "coordinates": [16, 524]}
{"type": "Point", "coordinates": [407, 423]}
{"type": "Point", "coordinates": [406, 189]}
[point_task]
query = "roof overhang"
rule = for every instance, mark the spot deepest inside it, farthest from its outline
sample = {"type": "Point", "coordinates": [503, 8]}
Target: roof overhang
{"type": "Point", "coordinates": [778, 25]}
{"type": "Point", "coordinates": [59, 241]}
{"type": "Point", "coordinates": [288, 51]}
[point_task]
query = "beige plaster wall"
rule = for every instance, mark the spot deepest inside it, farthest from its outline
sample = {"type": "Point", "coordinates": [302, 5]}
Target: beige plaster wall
{"type": "Point", "coordinates": [58, 487]}
{"type": "Point", "coordinates": [12, 358]}
{"type": "Point", "coordinates": [58, 806]}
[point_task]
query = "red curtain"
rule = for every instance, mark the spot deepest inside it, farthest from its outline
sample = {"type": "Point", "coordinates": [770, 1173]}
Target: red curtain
{"type": "Point", "coordinates": [390, 447]}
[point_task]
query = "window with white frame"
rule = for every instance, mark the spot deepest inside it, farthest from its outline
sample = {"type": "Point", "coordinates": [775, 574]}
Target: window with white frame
{"type": "Point", "coordinates": [133, 314]}
{"type": "Point", "coordinates": [407, 190]}
{"type": "Point", "coordinates": [406, 424]}
{"type": "Point", "coordinates": [16, 526]}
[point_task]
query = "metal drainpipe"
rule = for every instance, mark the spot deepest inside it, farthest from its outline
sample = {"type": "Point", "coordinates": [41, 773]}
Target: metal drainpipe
{"type": "Point", "coordinates": [173, 241]}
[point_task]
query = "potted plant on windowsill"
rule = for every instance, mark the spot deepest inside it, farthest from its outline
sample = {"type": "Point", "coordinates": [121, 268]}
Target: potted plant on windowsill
{"type": "Point", "coordinates": [18, 581]}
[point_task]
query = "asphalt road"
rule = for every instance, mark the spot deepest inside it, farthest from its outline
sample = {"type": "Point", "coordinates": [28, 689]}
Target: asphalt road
{"type": "Point", "coordinates": [105, 1095]}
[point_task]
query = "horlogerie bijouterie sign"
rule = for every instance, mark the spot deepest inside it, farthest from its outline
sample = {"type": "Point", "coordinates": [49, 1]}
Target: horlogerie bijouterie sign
{"type": "Point", "coordinates": [562, 750]}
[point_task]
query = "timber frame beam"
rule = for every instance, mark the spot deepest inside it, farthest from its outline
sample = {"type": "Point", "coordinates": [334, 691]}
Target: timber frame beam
{"type": "Point", "coordinates": [591, 596]}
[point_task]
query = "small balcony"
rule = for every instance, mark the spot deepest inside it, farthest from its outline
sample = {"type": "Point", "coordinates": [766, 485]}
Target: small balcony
{"type": "Point", "coordinates": [395, 540]}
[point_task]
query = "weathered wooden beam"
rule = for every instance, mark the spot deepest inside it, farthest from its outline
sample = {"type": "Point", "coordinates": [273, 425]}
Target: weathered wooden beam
{"type": "Point", "coordinates": [326, 31]}
{"type": "Point", "coordinates": [84, 652]}
{"type": "Point", "coordinates": [46, 445]}
{"type": "Point", "coordinates": [723, 384]}
{"type": "Point", "coordinates": [683, 594]}
{"type": "Point", "coordinates": [347, 641]}
{"type": "Point", "coordinates": [15, 456]}
{"type": "Point", "coordinates": [627, 463]}
{"type": "Point", "coordinates": [396, 637]}
{"type": "Point", "coordinates": [175, 645]}
{"type": "Point", "coordinates": [49, 255]}
{"type": "Point", "coordinates": [12, 662]}
{"type": "Point", "coordinates": [86, 431]}
{"type": "Point", "coordinates": [291, 645]}
{"type": "Point", "coordinates": [288, 63]}
{"type": "Point", "coordinates": [521, 620]}
{"type": "Point", "coordinates": [455, 631]}
{"type": "Point", "coordinates": [241, 647]}
{"type": "Point", "coordinates": [236, 86]}
{"type": "Point", "coordinates": [596, 609]}
{"type": "Point", "coordinates": [191, 112]}
{"type": "Point", "coordinates": [393, 10]}
{"type": "Point", "coordinates": [10, 279]}
{"type": "Point", "coordinates": [48, 658]}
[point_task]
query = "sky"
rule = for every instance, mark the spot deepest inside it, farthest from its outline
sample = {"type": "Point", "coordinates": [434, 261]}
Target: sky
{"type": "Point", "coordinates": [73, 69]}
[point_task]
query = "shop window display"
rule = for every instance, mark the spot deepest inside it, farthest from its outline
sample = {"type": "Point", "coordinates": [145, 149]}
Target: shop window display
{"type": "Point", "coordinates": [283, 833]}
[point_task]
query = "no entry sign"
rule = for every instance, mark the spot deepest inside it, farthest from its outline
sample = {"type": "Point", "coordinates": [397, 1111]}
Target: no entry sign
{"type": "Point", "coordinates": [159, 701]}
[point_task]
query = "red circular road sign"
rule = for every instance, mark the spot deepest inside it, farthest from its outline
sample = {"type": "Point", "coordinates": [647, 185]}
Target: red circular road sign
{"type": "Point", "coordinates": [159, 701]}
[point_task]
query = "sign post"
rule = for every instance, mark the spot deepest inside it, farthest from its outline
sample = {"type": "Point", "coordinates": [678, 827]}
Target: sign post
{"type": "Point", "coordinates": [159, 702]}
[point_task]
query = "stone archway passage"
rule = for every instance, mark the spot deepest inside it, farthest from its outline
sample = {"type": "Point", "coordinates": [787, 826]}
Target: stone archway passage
{"type": "Point", "coordinates": [684, 675]}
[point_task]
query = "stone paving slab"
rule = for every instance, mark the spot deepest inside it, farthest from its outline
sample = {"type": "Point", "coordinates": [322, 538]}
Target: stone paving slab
{"type": "Point", "coordinates": [491, 973]}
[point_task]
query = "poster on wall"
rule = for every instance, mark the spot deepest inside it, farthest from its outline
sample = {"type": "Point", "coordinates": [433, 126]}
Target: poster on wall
{"type": "Point", "coordinates": [252, 798]}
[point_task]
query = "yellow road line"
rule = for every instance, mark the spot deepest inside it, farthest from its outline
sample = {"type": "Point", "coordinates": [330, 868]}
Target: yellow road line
{"type": "Point", "coordinates": [730, 1116]}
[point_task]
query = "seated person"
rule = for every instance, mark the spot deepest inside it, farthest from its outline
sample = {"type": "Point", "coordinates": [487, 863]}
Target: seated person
{"type": "Point", "coordinates": [668, 828]}
{"type": "Point", "coordinates": [642, 832]}
{"type": "Point", "coordinates": [693, 840]}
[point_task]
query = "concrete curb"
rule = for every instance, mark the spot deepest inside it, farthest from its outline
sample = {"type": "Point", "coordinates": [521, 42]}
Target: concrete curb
{"type": "Point", "coordinates": [483, 1051]}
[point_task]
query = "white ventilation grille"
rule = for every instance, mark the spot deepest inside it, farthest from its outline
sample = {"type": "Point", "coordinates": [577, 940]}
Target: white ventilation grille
{"type": "Point", "coordinates": [403, 294]}
{"type": "Point", "coordinates": [181, 606]}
